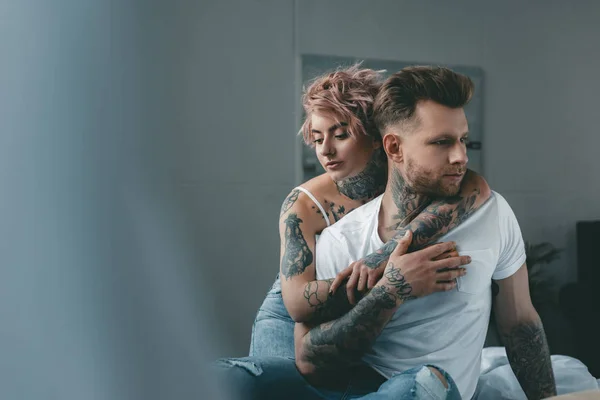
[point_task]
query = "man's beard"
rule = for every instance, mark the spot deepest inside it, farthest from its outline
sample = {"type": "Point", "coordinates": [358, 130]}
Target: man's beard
{"type": "Point", "coordinates": [427, 182]}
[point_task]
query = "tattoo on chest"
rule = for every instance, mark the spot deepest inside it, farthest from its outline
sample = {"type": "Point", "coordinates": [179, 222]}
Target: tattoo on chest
{"type": "Point", "coordinates": [289, 201]}
{"type": "Point", "coordinates": [297, 256]}
{"type": "Point", "coordinates": [333, 210]}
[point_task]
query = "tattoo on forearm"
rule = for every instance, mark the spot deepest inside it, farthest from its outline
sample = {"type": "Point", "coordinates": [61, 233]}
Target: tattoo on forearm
{"type": "Point", "coordinates": [368, 183]}
{"type": "Point", "coordinates": [297, 256]}
{"type": "Point", "coordinates": [343, 341]}
{"type": "Point", "coordinates": [328, 307]}
{"type": "Point", "coordinates": [375, 260]}
{"type": "Point", "coordinates": [289, 201]}
{"type": "Point", "coordinates": [529, 358]}
{"type": "Point", "coordinates": [403, 289]}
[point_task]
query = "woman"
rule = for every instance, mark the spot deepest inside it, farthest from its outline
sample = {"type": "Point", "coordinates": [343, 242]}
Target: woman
{"type": "Point", "coordinates": [339, 125]}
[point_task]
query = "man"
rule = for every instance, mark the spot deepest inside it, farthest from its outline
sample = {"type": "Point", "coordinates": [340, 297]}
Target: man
{"type": "Point", "coordinates": [420, 330]}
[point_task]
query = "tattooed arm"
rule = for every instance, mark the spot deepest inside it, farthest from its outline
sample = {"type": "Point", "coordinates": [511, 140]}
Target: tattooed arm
{"type": "Point", "coordinates": [437, 219]}
{"type": "Point", "coordinates": [333, 346]}
{"type": "Point", "coordinates": [305, 298]}
{"type": "Point", "coordinates": [523, 336]}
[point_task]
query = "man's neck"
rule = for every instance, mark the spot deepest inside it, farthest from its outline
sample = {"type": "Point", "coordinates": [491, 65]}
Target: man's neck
{"type": "Point", "coordinates": [400, 205]}
{"type": "Point", "coordinates": [367, 184]}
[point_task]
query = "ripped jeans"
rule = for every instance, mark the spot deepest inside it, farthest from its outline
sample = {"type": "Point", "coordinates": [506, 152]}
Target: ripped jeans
{"type": "Point", "coordinates": [277, 378]}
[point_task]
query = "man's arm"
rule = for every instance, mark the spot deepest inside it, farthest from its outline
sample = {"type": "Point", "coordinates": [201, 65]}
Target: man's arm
{"type": "Point", "coordinates": [340, 343]}
{"type": "Point", "coordinates": [523, 336]}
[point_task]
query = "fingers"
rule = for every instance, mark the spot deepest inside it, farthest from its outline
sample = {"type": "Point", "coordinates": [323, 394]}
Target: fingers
{"type": "Point", "coordinates": [403, 244]}
{"type": "Point", "coordinates": [438, 249]}
{"type": "Point", "coordinates": [451, 275]}
{"type": "Point", "coordinates": [341, 277]}
{"type": "Point", "coordinates": [445, 286]}
{"type": "Point", "coordinates": [448, 254]}
{"type": "Point", "coordinates": [373, 278]}
{"type": "Point", "coordinates": [362, 281]}
{"type": "Point", "coordinates": [452, 262]}
{"type": "Point", "coordinates": [351, 285]}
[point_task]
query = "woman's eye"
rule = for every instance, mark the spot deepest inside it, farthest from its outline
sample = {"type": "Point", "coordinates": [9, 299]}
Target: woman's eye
{"type": "Point", "coordinates": [342, 135]}
{"type": "Point", "coordinates": [318, 141]}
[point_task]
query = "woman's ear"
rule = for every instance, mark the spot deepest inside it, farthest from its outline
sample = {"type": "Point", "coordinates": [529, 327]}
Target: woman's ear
{"type": "Point", "coordinates": [392, 145]}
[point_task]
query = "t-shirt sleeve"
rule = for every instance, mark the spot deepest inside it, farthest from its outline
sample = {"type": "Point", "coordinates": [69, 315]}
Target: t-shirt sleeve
{"type": "Point", "coordinates": [331, 255]}
{"type": "Point", "coordinates": [512, 248]}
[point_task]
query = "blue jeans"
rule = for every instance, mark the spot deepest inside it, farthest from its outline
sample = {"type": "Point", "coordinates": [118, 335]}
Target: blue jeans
{"type": "Point", "coordinates": [273, 328]}
{"type": "Point", "coordinates": [277, 378]}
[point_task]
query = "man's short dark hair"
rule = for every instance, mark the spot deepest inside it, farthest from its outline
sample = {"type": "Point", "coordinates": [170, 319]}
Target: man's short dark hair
{"type": "Point", "coordinates": [399, 95]}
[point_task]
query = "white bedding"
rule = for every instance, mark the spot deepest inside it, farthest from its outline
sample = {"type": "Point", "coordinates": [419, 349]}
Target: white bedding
{"type": "Point", "coordinates": [497, 380]}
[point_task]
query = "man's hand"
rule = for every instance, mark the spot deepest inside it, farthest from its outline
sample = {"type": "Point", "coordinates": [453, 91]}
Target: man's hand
{"type": "Point", "coordinates": [363, 274]}
{"type": "Point", "coordinates": [423, 272]}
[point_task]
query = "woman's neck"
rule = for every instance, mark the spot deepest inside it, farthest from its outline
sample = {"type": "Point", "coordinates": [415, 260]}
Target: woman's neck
{"type": "Point", "coordinates": [369, 183]}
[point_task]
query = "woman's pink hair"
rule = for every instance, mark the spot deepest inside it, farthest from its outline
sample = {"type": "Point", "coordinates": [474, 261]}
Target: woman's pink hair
{"type": "Point", "coordinates": [346, 95]}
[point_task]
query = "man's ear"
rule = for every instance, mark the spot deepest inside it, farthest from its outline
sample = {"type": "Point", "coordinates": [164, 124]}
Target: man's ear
{"type": "Point", "coordinates": [392, 144]}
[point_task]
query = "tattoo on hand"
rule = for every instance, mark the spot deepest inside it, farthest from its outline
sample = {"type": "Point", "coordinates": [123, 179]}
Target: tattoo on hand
{"type": "Point", "coordinates": [297, 256]}
{"type": "Point", "coordinates": [403, 289]}
{"type": "Point", "coordinates": [529, 358]}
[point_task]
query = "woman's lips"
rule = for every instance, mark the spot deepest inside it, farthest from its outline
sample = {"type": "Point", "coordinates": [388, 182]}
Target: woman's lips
{"type": "Point", "coordinates": [333, 165]}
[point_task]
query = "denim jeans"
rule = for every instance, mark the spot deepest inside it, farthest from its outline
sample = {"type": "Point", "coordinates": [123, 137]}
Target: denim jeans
{"type": "Point", "coordinates": [277, 378]}
{"type": "Point", "coordinates": [273, 328]}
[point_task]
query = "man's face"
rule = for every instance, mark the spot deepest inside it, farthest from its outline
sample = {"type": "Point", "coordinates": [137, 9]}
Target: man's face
{"type": "Point", "coordinates": [434, 151]}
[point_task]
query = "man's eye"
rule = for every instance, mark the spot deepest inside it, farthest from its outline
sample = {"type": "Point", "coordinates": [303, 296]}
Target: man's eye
{"type": "Point", "coordinates": [342, 135]}
{"type": "Point", "coordinates": [441, 142]}
{"type": "Point", "coordinates": [318, 141]}
{"type": "Point", "coordinates": [465, 140]}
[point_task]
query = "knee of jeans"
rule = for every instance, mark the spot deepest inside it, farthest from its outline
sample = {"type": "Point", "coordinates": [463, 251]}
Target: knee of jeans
{"type": "Point", "coordinates": [439, 375]}
{"type": "Point", "coordinates": [244, 364]}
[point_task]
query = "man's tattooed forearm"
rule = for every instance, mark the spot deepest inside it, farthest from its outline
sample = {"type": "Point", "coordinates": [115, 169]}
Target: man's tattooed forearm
{"type": "Point", "coordinates": [345, 340]}
{"type": "Point", "coordinates": [297, 256]}
{"type": "Point", "coordinates": [326, 306]}
{"type": "Point", "coordinates": [289, 201]}
{"type": "Point", "coordinates": [529, 358]}
{"type": "Point", "coordinates": [439, 218]}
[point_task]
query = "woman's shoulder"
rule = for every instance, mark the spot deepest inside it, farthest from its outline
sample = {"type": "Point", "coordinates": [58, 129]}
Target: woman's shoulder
{"type": "Point", "coordinates": [309, 200]}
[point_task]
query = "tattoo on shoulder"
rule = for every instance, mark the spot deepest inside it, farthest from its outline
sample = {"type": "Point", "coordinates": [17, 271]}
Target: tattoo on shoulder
{"type": "Point", "coordinates": [297, 255]}
{"type": "Point", "coordinates": [289, 201]}
{"type": "Point", "coordinates": [529, 358]}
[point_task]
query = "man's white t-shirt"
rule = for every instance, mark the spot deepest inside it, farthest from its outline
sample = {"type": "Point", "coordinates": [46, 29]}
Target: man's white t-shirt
{"type": "Point", "coordinates": [446, 329]}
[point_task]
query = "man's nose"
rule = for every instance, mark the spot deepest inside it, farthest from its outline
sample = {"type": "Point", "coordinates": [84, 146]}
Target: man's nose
{"type": "Point", "coordinates": [458, 155]}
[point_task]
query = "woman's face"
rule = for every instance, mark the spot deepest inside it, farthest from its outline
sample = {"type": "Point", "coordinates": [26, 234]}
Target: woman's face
{"type": "Point", "coordinates": [341, 155]}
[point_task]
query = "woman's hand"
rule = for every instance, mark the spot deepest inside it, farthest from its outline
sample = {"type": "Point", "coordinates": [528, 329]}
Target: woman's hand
{"type": "Point", "coordinates": [364, 274]}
